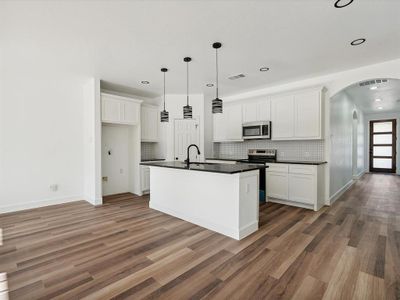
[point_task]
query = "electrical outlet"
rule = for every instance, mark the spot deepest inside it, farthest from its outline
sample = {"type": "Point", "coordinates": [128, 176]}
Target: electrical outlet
{"type": "Point", "coordinates": [54, 187]}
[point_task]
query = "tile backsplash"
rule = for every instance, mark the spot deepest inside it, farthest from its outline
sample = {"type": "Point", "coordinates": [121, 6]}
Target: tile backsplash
{"type": "Point", "coordinates": [149, 150]}
{"type": "Point", "coordinates": [313, 150]}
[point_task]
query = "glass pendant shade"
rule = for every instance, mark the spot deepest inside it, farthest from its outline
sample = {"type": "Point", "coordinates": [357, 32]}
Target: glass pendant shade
{"type": "Point", "coordinates": [187, 112]}
{"type": "Point", "coordinates": [187, 109]}
{"type": "Point", "coordinates": [217, 102]}
{"type": "Point", "coordinates": [217, 106]}
{"type": "Point", "coordinates": [164, 115]}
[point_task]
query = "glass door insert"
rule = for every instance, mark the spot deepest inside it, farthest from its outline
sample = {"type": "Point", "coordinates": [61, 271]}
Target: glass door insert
{"type": "Point", "coordinates": [382, 151]}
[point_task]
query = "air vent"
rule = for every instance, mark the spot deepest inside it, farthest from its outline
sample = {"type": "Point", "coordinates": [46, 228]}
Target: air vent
{"type": "Point", "coordinates": [375, 81]}
{"type": "Point", "coordinates": [236, 76]}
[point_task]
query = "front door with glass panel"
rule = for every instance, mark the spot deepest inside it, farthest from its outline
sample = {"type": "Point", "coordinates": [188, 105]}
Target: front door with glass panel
{"type": "Point", "coordinates": [382, 151]}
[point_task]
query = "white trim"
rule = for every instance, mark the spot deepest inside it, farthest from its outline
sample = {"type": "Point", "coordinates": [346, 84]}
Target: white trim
{"type": "Point", "coordinates": [235, 234]}
{"type": "Point", "coordinates": [359, 175]}
{"type": "Point", "coordinates": [40, 203]}
{"type": "Point", "coordinates": [126, 98]}
{"type": "Point", "coordinates": [291, 203]}
{"type": "Point", "coordinates": [248, 229]}
{"type": "Point", "coordinates": [340, 192]}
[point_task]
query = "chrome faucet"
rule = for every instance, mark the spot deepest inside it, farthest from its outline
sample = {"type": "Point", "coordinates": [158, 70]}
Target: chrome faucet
{"type": "Point", "coordinates": [187, 161]}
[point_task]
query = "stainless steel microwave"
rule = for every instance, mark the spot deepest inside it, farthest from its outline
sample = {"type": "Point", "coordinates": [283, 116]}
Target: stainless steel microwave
{"type": "Point", "coordinates": [257, 130]}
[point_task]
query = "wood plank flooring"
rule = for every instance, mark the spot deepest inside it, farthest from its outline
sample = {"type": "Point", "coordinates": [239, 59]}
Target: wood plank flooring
{"type": "Point", "coordinates": [124, 250]}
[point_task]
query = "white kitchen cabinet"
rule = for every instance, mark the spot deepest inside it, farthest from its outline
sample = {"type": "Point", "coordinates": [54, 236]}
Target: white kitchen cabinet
{"type": "Point", "coordinates": [307, 119]}
{"type": "Point", "coordinates": [257, 111]}
{"type": "Point", "coordinates": [145, 178]}
{"type": "Point", "coordinates": [296, 184]}
{"type": "Point", "coordinates": [119, 110]}
{"type": "Point", "coordinates": [282, 117]}
{"type": "Point", "coordinates": [277, 185]}
{"type": "Point", "coordinates": [297, 116]}
{"type": "Point", "coordinates": [302, 188]}
{"type": "Point", "coordinates": [149, 123]}
{"type": "Point", "coordinates": [228, 125]}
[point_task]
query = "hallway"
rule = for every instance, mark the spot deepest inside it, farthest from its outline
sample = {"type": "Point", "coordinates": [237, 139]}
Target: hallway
{"type": "Point", "coordinates": [126, 250]}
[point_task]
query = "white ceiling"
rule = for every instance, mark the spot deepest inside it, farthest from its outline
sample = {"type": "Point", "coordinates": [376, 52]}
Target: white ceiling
{"type": "Point", "coordinates": [364, 97]}
{"type": "Point", "coordinates": [125, 42]}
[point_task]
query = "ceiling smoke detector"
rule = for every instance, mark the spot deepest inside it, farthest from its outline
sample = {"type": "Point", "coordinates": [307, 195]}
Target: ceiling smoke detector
{"type": "Point", "coordinates": [238, 76]}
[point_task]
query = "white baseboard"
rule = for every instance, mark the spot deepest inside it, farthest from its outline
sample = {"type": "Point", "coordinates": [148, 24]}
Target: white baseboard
{"type": "Point", "coordinates": [40, 203]}
{"type": "Point", "coordinates": [231, 232]}
{"type": "Point", "coordinates": [359, 175]}
{"type": "Point", "coordinates": [340, 192]}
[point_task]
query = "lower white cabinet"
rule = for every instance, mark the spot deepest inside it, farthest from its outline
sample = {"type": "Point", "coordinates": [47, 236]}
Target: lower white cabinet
{"type": "Point", "coordinates": [277, 185]}
{"type": "Point", "coordinates": [145, 178]}
{"type": "Point", "coordinates": [302, 188]}
{"type": "Point", "coordinates": [296, 184]}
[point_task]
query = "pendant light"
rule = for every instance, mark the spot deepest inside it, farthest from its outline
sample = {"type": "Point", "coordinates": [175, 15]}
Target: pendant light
{"type": "Point", "coordinates": [216, 103]}
{"type": "Point", "coordinates": [187, 109]}
{"type": "Point", "coordinates": [164, 114]}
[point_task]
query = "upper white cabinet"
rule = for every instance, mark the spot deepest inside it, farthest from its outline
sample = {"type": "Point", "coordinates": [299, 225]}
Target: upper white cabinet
{"type": "Point", "coordinates": [307, 118]}
{"type": "Point", "coordinates": [228, 125]}
{"type": "Point", "coordinates": [297, 116]}
{"type": "Point", "coordinates": [119, 110]}
{"type": "Point", "coordinates": [149, 123]}
{"type": "Point", "coordinates": [257, 110]}
{"type": "Point", "coordinates": [282, 117]}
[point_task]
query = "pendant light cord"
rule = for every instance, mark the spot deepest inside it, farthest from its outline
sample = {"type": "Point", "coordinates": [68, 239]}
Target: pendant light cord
{"type": "Point", "coordinates": [216, 67]}
{"type": "Point", "coordinates": [164, 91]}
{"type": "Point", "coordinates": [187, 83]}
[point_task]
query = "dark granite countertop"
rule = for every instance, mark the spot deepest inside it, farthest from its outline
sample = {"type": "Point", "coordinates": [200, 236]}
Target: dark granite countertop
{"type": "Point", "coordinates": [225, 158]}
{"type": "Point", "coordinates": [153, 159]}
{"type": "Point", "coordinates": [207, 167]}
{"type": "Point", "coordinates": [297, 162]}
{"type": "Point", "coordinates": [301, 162]}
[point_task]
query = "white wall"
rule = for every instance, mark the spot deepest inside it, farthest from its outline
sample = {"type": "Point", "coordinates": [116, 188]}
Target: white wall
{"type": "Point", "coordinates": [92, 141]}
{"type": "Point", "coordinates": [42, 138]}
{"type": "Point", "coordinates": [115, 138]}
{"type": "Point", "coordinates": [361, 143]}
{"type": "Point", "coordinates": [174, 105]}
{"type": "Point", "coordinates": [383, 116]}
{"type": "Point", "coordinates": [342, 135]}
{"type": "Point", "coordinates": [341, 125]}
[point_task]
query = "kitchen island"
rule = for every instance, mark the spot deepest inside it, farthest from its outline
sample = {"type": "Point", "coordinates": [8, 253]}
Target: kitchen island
{"type": "Point", "coordinates": [219, 197]}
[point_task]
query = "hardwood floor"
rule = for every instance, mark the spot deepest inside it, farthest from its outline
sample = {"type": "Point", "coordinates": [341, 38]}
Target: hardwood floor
{"type": "Point", "coordinates": [124, 250]}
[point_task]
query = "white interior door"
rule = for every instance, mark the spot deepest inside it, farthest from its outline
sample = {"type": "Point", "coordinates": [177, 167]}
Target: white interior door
{"type": "Point", "coordinates": [186, 132]}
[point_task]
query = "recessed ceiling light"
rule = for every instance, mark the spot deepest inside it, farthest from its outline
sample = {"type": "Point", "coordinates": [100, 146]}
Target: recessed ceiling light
{"type": "Point", "coordinates": [264, 69]}
{"type": "Point", "coordinates": [373, 87]}
{"type": "Point", "coordinates": [358, 42]}
{"type": "Point", "coordinates": [209, 85]}
{"type": "Point", "coordinates": [380, 107]}
{"type": "Point", "coordinates": [145, 82]}
{"type": "Point", "coordinates": [378, 100]}
{"type": "Point", "coordinates": [343, 3]}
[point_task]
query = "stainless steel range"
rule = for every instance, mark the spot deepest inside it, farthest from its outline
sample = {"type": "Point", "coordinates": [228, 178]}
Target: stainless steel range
{"type": "Point", "coordinates": [260, 156]}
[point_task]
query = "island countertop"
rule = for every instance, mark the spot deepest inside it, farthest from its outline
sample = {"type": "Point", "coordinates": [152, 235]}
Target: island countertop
{"type": "Point", "coordinates": [207, 167]}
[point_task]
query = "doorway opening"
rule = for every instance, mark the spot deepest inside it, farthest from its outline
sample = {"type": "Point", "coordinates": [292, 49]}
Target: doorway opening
{"type": "Point", "coordinates": [382, 150]}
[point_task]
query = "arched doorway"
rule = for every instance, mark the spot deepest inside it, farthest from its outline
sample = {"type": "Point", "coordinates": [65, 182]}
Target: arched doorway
{"type": "Point", "coordinates": [351, 111]}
